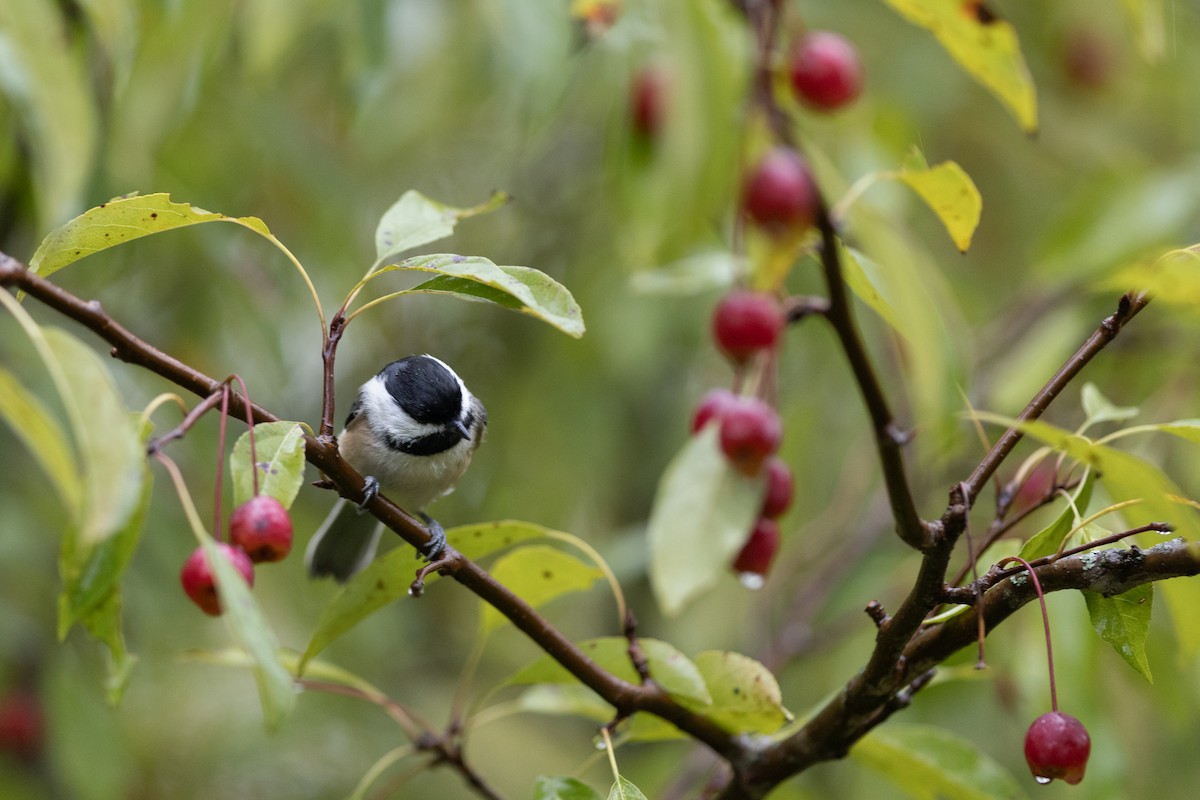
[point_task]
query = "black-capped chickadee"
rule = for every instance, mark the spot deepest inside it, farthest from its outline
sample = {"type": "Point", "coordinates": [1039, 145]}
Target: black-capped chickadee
{"type": "Point", "coordinates": [411, 433]}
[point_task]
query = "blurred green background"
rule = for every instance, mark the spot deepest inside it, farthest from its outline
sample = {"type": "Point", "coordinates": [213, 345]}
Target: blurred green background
{"type": "Point", "coordinates": [315, 116]}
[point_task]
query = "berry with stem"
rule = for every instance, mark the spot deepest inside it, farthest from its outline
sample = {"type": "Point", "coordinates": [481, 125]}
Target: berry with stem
{"type": "Point", "coordinates": [825, 71]}
{"type": "Point", "coordinates": [750, 434]}
{"type": "Point", "coordinates": [779, 193]}
{"type": "Point", "coordinates": [753, 561]}
{"type": "Point", "coordinates": [262, 528]}
{"type": "Point", "coordinates": [198, 580]}
{"type": "Point", "coordinates": [747, 323]}
{"type": "Point", "coordinates": [1057, 745]}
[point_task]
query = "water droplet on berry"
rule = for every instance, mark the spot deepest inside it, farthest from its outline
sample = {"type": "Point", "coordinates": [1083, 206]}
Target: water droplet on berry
{"type": "Point", "coordinates": [1043, 780]}
{"type": "Point", "coordinates": [752, 580]}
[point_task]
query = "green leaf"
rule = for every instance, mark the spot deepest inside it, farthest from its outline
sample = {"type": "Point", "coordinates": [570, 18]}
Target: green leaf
{"type": "Point", "coordinates": [745, 695]}
{"type": "Point", "coordinates": [575, 699]}
{"type": "Point", "coordinates": [1128, 477]}
{"type": "Point", "coordinates": [1047, 541]}
{"type": "Point", "coordinates": [702, 514]}
{"type": "Point", "coordinates": [623, 789]}
{"type": "Point", "coordinates": [537, 573]}
{"type": "Point", "coordinates": [669, 668]}
{"type": "Point", "coordinates": [414, 220]}
{"type": "Point", "coordinates": [1187, 429]}
{"type": "Point", "coordinates": [1146, 18]}
{"type": "Point", "coordinates": [950, 193]}
{"type": "Point", "coordinates": [929, 763]}
{"type": "Point", "coordinates": [1123, 621]}
{"type": "Point", "coordinates": [122, 220]}
{"type": "Point", "coordinates": [279, 447]}
{"type": "Point", "coordinates": [91, 588]}
{"type": "Point", "coordinates": [522, 289]}
{"type": "Point", "coordinates": [40, 432]}
{"type": "Point", "coordinates": [253, 635]}
{"type": "Point", "coordinates": [553, 787]}
{"type": "Point", "coordinates": [389, 576]}
{"type": "Point", "coordinates": [1099, 408]}
{"type": "Point", "coordinates": [50, 91]}
{"type": "Point", "coordinates": [985, 46]}
{"type": "Point", "coordinates": [111, 453]}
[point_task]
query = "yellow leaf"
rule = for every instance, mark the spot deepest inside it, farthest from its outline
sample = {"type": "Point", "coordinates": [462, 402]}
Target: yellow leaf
{"type": "Point", "coordinates": [951, 194]}
{"type": "Point", "coordinates": [984, 45]}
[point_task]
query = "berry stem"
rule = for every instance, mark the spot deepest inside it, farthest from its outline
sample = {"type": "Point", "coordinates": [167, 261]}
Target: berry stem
{"type": "Point", "coordinates": [250, 426]}
{"type": "Point", "coordinates": [220, 462]}
{"type": "Point", "coordinates": [1037, 586]}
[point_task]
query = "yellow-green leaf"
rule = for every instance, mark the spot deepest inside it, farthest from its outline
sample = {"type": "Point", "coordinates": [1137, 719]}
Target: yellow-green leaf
{"type": "Point", "coordinates": [538, 573]}
{"type": "Point", "coordinates": [415, 219]}
{"type": "Point", "coordinates": [389, 576]}
{"type": "Point", "coordinates": [1173, 277]}
{"type": "Point", "coordinates": [40, 432]}
{"type": "Point", "coordinates": [985, 46]}
{"type": "Point", "coordinates": [122, 220]}
{"type": "Point", "coordinates": [930, 763]}
{"type": "Point", "coordinates": [949, 191]}
{"type": "Point", "coordinates": [1146, 17]}
{"type": "Point", "coordinates": [745, 695]}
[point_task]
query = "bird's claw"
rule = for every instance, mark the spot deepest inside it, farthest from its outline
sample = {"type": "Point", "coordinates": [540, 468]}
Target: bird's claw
{"type": "Point", "coordinates": [437, 539]}
{"type": "Point", "coordinates": [370, 489]}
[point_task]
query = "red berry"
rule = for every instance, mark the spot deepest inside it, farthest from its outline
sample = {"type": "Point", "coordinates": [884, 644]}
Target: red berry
{"type": "Point", "coordinates": [1057, 746]}
{"type": "Point", "coordinates": [781, 487]}
{"type": "Point", "coordinates": [754, 560]}
{"type": "Point", "coordinates": [825, 70]}
{"type": "Point", "coordinates": [779, 193]}
{"type": "Point", "coordinates": [197, 578]}
{"type": "Point", "coordinates": [712, 406]}
{"type": "Point", "coordinates": [262, 528]}
{"type": "Point", "coordinates": [21, 724]}
{"type": "Point", "coordinates": [746, 323]}
{"type": "Point", "coordinates": [648, 100]}
{"type": "Point", "coordinates": [750, 434]}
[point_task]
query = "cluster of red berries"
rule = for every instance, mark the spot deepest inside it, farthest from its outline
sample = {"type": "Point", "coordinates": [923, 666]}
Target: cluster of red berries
{"type": "Point", "coordinates": [260, 531]}
{"type": "Point", "coordinates": [745, 325]}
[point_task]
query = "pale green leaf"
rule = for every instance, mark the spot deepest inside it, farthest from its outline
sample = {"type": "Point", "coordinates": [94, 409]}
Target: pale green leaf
{"type": "Point", "coordinates": [702, 514]}
{"type": "Point", "coordinates": [930, 763]}
{"type": "Point", "coordinates": [1123, 621]}
{"type": "Point", "coordinates": [866, 279]}
{"type": "Point", "coordinates": [1099, 408]}
{"type": "Point", "coordinates": [279, 447]}
{"type": "Point", "coordinates": [951, 194]}
{"type": "Point", "coordinates": [537, 573]}
{"type": "Point", "coordinates": [50, 90]}
{"type": "Point", "coordinates": [111, 453]}
{"type": "Point", "coordinates": [40, 432]}
{"type": "Point", "coordinates": [745, 695]}
{"type": "Point", "coordinates": [985, 46]}
{"type": "Point", "coordinates": [1049, 540]}
{"type": "Point", "coordinates": [122, 220]}
{"type": "Point", "coordinates": [415, 219]}
{"type": "Point", "coordinates": [553, 787]}
{"type": "Point", "coordinates": [669, 668]}
{"type": "Point", "coordinates": [623, 789]}
{"type": "Point", "coordinates": [703, 272]}
{"type": "Point", "coordinates": [253, 635]}
{"type": "Point", "coordinates": [522, 289]}
{"type": "Point", "coordinates": [389, 576]}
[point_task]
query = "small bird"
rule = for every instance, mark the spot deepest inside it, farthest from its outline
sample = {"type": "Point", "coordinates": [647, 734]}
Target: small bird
{"type": "Point", "coordinates": [411, 433]}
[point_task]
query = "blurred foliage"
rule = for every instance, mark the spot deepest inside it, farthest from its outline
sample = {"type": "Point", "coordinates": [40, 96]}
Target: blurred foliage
{"type": "Point", "coordinates": [316, 116]}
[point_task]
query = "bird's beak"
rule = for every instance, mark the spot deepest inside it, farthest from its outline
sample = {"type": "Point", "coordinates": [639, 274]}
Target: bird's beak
{"type": "Point", "coordinates": [462, 429]}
